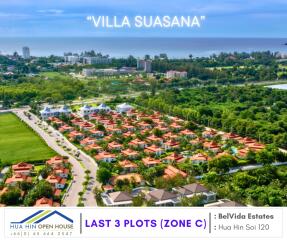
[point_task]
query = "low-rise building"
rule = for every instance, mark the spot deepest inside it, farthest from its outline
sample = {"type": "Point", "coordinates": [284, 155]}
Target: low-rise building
{"type": "Point", "coordinates": [46, 202]}
{"type": "Point", "coordinates": [48, 112]}
{"type": "Point", "coordinates": [224, 203]}
{"type": "Point", "coordinates": [105, 157]}
{"type": "Point", "coordinates": [176, 74]}
{"type": "Point", "coordinates": [123, 108]}
{"type": "Point", "coordinates": [23, 168]}
{"type": "Point", "coordinates": [87, 141]}
{"type": "Point", "coordinates": [162, 197]}
{"type": "Point", "coordinates": [116, 199]}
{"type": "Point", "coordinates": [154, 150]}
{"type": "Point", "coordinates": [137, 143]}
{"type": "Point", "coordinates": [200, 158]}
{"type": "Point", "coordinates": [196, 189]}
{"type": "Point", "coordinates": [130, 154]}
{"type": "Point", "coordinates": [171, 172]}
{"type": "Point", "coordinates": [131, 177]}
{"type": "Point", "coordinates": [56, 181]}
{"type": "Point", "coordinates": [150, 162]}
{"type": "Point", "coordinates": [128, 166]}
{"type": "Point", "coordinates": [18, 178]}
{"type": "Point", "coordinates": [173, 158]}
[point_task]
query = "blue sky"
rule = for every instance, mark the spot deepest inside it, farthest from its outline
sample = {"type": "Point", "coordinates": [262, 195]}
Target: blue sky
{"type": "Point", "coordinates": [225, 18]}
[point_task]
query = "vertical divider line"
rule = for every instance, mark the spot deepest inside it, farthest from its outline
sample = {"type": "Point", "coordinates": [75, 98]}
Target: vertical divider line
{"type": "Point", "coordinates": [210, 222]}
{"type": "Point", "coordinates": [81, 223]}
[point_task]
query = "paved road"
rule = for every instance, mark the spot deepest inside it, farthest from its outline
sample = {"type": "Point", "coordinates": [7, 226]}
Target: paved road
{"type": "Point", "coordinates": [88, 163]}
{"type": "Point", "coordinates": [248, 168]}
{"type": "Point", "coordinates": [72, 197]}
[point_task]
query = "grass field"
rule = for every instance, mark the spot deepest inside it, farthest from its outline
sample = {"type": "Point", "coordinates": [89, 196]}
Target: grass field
{"type": "Point", "coordinates": [18, 143]}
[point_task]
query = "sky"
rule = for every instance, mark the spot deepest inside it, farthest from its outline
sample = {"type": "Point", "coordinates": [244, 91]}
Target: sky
{"type": "Point", "coordinates": [67, 18]}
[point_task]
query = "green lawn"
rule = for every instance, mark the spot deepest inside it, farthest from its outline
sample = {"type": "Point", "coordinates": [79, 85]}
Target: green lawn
{"type": "Point", "coordinates": [18, 143]}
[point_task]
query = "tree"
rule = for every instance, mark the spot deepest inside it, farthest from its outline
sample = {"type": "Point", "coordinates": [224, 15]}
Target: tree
{"type": "Point", "coordinates": [221, 165]}
{"type": "Point", "coordinates": [157, 132]}
{"type": "Point", "coordinates": [42, 189]}
{"type": "Point", "coordinates": [210, 178]}
{"type": "Point", "coordinates": [98, 196]}
{"type": "Point", "coordinates": [264, 157]}
{"type": "Point", "coordinates": [194, 201]}
{"type": "Point", "coordinates": [12, 197]}
{"type": "Point", "coordinates": [243, 180]}
{"type": "Point", "coordinates": [103, 175]}
{"type": "Point", "coordinates": [45, 172]}
{"type": "Point", "coordinates": [138, 201]}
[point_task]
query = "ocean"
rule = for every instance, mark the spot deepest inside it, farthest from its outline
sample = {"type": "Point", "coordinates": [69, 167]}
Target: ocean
{"type": "Point", "coordinates": [138, 47]}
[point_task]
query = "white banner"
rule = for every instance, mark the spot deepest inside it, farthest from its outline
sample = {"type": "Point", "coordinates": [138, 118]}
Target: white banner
{"type": "Point", "coordinates": [145, 223]}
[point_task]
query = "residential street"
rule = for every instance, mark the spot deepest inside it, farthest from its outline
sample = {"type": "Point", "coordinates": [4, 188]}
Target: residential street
{"type": "Point", "coordinates": [88, 163]}
{"type": "Point", "coordinates": [78, 170]}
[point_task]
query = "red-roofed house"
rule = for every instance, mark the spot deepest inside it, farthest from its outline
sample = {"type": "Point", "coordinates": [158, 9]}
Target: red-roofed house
{"type": "Point", "coordinates": [171, 144]}
{"type": "Point", "coordinates": [209, 133]}
{"type": "Point", "coordinates": [115, 146]}
{"type": "Point", "coordinates": [199, 158]}
{"type": "Point", "coordinates": [188, 133]}
{"type": "Point", "coordinates": [131, 177]}
{"type": "Point", "coordinates": [105, 157]}
{"type": "Point", "coordinates": [114, 130]}
{"type": "Point", "coordinates": [143, 125]}
{"type": "Point", "coordinates": [56, 181]}
{"type": "Point", "coordinates": [87, 141]}
{"type": "Point", "coordinates": [176, 127]}
{"type": "Point", "coordinates": [154, 139]}
{"type": "Point", "coordinates": [137, 143]}
{"type": "Point", "coordinates": [170, 135]}
{"type": "Point", "coordinates": [256, 147]}
{"type": "Point", "coordinates": [174, 157]}
{"type": "Point", "coordinates": [129, 128]}
{"type": "Point", "coordinates": [23, 168]}
{"type": "Point", "coordinates": [46, 202]}
{"type": "Point", "coordinates": [171, 172]}
{"type": "Point", "coordinates": [86, 126]}
{"type": "Point", "coordinates": [150, 162]}
{"type": "Point", "coordinates": [242, 153]}
{"type": "Point", "coordinates": [154, 150]}
{"type": "Point", "coordinates": [230, 136]}
{"type": "Point", "coordinates": [17, 178]}
{"type": "Point", "coordinates": [61, 172]}
{"type": "Point", "coordinates": [129, 153]}
{"type": "Point", "coordinates": [128, 166]}
{"type": "Point", "coordinates": [247, 140]}
{"type": "Point", "coordinates": [211, 146]}
{"type": "Point", "coordinates": [75, 135]}
{"type": "Point", "coordinates": [96, 133]}
{"type": "Point", "coordinates": [57, 161]}
{"type": "Point", "coordinates": [66, 129]}
{"type": "Point", "coordinates": [56, 121]}
{"type": "Point", "coordinates": [95, 147]}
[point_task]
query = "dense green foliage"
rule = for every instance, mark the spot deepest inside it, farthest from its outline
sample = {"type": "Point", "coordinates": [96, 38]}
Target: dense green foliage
{"type": "Point", "coordinates": [253, 111]}
{"type": "Point", "coordinates": [260, 187]}
{"type": "Point", "coordinates": [42, 189]}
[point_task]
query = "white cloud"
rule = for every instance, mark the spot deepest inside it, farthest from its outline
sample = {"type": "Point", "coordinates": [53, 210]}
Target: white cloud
{"type": "Point", "coordinates": [13, 15]}
{"type": "Point", "coordinates": [51, 11]}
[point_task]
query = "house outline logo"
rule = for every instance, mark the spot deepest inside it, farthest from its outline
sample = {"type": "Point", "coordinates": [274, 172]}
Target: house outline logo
{"type": "Point", "coordinates": [41, 215]}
